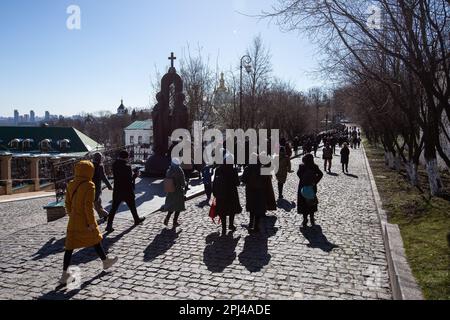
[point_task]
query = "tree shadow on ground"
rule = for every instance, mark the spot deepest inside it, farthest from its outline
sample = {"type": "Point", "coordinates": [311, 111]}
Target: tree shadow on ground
{"type": "Point", "coordinates": [161, 244]}
{"type": "Point", "coordinates": [62, 293]}
{"type": "Point", "coordinates": [286, 205]}
{"type": "Point", "coordinates": [220, 251]}
{"type": "Point", "coordinates": [317, 239]}
{"type": "Point", "coordinates": [254, 255]}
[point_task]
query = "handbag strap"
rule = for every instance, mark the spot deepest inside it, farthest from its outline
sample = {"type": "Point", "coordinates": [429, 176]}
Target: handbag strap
{"type": "Point", "coordinates": [76, 189]}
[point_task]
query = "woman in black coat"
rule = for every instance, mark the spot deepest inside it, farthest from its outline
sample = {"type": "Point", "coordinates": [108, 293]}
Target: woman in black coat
{"type": "Point", "coordinates": [256, 194]}
{"type": "Point", "coordinates": [226, 181]}
{"type": "Point", "coordinates": [310, 175]}
{"type": "Point", "coordinates": [345, 157]}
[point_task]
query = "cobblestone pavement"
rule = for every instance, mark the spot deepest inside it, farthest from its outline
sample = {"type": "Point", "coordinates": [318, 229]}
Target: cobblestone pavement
{"type": "Point", "coordinates": [23, 214]}
{"type": "Point", "coordinates": [341, 258]}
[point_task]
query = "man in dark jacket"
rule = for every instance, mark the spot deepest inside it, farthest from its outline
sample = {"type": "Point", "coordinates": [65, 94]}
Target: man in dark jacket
{"type": "Point", "coordinates": [99, 177]}
{"type": "Point", "coordinates": [123, 190]}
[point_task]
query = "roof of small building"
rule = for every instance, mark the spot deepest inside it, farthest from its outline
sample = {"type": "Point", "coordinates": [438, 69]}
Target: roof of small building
{"type": "Point", "coordinates": [79, 142]}
{"type": "Point", "coordinates": [140, 125]}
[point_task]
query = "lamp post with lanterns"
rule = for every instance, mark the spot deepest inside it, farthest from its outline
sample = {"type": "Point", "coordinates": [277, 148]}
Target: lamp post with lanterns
{"type": "Point", "coordinates": [245, 63]}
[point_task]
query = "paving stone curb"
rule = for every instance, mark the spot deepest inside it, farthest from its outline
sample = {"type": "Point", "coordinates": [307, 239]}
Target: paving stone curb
{"type": "Point", "coordinates": [403, 284]}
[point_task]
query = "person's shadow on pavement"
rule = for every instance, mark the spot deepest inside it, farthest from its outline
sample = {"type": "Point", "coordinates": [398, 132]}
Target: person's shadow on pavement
{"type": "Point", "coordinates": [317, 239]}
{"type": "Point", "coordinates": [255, 255]}
{"type": "Point", "coordinates": [220, 251]}
{"type": "Point", "coordinates": [161, 244]}
{"type": "Point", "coordinates": [52, 246]}
{"type": "Point", "coordinates": [88, 254]}
{"type": "Point", "coordinates": [286, 205]}
{"type": "Point", "coordinates": [61, 292]}
{"type": "Point", "coordinates": [83, 255]}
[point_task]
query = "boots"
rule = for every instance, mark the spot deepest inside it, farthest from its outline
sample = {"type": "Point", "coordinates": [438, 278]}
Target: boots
{"type": "Point", "coordinates": [305, 220]}
{"type": "Point", "coordinates": [224, 224]}
{"type": "Point", "coordinates": [175, 220]}
{"type": "Point", "coordinates": [280, 191]}
{"type": "Point", "coordinates": [66, 278]}
{"type": "Point", "coordinates": [109, 262]}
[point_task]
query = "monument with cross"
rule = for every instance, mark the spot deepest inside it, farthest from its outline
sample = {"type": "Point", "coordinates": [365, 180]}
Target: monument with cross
{"type": "Point", "coordinates": [169, 114]}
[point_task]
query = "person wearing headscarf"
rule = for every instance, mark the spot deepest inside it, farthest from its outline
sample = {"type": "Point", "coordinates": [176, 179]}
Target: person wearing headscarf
{"type": "Point", "coordinates": [309, 175]}
{"type": "Point", "coordinates": [82, 229]}
{"type": "Point", "coordinates": [175, 201]}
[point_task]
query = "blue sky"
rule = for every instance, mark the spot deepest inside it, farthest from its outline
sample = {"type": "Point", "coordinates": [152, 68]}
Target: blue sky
{"type": "Point", "coordinates": [45, 66]}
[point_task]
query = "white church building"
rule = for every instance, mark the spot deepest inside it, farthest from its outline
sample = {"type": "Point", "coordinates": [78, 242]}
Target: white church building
{"type": "Point", "coordinates": [140, 134]}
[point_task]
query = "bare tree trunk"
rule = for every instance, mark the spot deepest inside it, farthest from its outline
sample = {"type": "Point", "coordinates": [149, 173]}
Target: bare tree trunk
{"type": "Point", "coordinates": [434, 178]}
{"type": "Point", "coordinates": [411, 171]}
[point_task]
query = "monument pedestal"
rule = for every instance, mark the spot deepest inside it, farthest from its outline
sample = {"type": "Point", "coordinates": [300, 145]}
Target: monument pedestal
{"type": "Point", "coordinates": [156, 166]}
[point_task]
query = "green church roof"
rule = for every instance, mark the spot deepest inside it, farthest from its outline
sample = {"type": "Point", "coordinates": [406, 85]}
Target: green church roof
{"type": "Point", "coordinates": [79, 142]}
{"type": "Point", "coordinates": [140, 125]}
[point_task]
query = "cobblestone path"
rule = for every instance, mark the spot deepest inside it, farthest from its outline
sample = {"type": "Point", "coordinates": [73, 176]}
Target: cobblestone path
{"type": "Point", "coordinates": [341, 258]}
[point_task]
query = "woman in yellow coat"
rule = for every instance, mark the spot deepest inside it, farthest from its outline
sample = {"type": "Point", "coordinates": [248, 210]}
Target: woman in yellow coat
{"type": "Point", "coordinates": [82, 230]}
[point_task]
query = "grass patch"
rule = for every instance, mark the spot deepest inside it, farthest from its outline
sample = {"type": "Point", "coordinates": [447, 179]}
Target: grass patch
{"type": "Point", "coordinates": [424, 223]}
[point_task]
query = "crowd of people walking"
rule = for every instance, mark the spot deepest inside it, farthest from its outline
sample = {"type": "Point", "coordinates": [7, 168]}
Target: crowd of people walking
{"type": "Point", "coordinates": [221, 183]}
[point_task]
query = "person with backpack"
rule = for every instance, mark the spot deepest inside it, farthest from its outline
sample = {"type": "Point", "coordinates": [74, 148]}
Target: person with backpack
{"type": "Point", "coordinates": [99, 177]}
{"type": "Point", "coordinates": [309, 175]}
{"type": "Point", "coordinates": [123, 190]}
{"type": "Point", "coordinates": [345, 157]}
{"type": "Point", "coordinates": [175, 198]}
{"type": "Point", "coordinates": [327, 157]}
{"type": "Point", "coordinates": [82, 229]}
{"type": "Point", "coordinates": [283, 168]}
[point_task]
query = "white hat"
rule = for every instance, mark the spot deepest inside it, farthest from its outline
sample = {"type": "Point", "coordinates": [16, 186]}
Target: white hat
{"type": "Point", "coordinates": [176, 162]}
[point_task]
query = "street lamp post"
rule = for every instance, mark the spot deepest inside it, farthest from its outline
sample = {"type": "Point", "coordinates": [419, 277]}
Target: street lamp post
{"type": "Point", "coordinates": [245, 62]}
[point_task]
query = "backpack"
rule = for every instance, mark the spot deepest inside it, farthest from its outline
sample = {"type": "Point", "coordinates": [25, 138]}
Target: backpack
{"type": "Point", "coordinates": [308, 193]}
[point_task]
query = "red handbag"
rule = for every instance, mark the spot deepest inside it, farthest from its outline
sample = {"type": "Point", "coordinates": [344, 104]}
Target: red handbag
{"type": "Point", "coordinates": [212, 210]}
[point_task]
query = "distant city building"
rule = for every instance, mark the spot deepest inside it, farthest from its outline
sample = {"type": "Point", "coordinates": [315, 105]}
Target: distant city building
{"type": "Point", "coordinates": [121, 110]}
{"type": "Point", "coordinates": [16, 116]}
{"type": "Point", "coordinates": [32, 116]}
{"type": "Point", "coordinates": [47, 116]}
